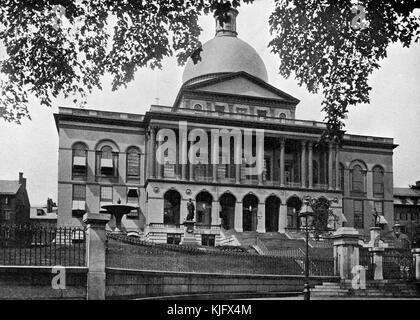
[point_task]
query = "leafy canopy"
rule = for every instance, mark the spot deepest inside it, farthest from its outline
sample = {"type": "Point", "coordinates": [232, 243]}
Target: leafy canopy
{"type": "Point", "coordinates": [65, 47]}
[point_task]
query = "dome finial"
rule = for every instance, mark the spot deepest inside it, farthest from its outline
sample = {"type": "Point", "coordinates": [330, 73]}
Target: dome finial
{"type": "Point", "coordinates": [227, 28]}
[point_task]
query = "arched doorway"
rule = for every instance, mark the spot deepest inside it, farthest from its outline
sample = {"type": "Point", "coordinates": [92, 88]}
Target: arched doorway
{"type": "Point", "coordinates": [272, 209]}
{"type": "Point", "coordinates": [203, 201]}
{"type": "Point", "coordinates": [227, 213]}
{"type": "Point", "coordinates": [294, 204]}
{"type": "Point", "coordinates": [249, 212]}
{"type": "Point", "coordinates": [171, 204]}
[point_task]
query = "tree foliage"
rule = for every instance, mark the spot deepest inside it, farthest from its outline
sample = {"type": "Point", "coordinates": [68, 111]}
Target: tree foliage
{"type": "Point", "coordinates": [331, 47]}
{"type": "Point", "coordinates": [64, 47]}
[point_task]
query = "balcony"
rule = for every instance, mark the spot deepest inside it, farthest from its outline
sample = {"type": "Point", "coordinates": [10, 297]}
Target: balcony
{"type": "Point", "coordinates": [239, 116]}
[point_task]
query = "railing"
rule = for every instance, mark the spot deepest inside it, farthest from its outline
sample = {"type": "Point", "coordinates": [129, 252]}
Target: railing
{"type": "Point", "coordinates": [239, 116]}
{"type": "Point", "coordinates": [288, 252]}
{"type": "Point", "coordinates": [132, 253]}
{"type": "Point", "coordinates": [208, 227]}
{"type": "Point", "coordinates": [41, 246]}
{"type": "Point", "coordinates": [398, 264]}
{"type": "Point", "coordinates": [157, 225]}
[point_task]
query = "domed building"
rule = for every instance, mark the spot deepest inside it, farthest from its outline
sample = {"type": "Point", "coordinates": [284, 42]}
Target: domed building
{"type": "Point", "coordinates": [232, 145]}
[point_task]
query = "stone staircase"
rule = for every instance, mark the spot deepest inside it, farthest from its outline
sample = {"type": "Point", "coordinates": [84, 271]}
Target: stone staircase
{"type": "Point", "coordinates": [373, 289]}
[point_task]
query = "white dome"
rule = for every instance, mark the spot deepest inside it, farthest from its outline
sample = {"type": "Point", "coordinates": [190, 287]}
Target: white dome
{"type": "Point", "coordinates": [226, 54]}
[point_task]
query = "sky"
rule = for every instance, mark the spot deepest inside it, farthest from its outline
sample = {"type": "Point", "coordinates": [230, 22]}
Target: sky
{"type": "Point", "coordinates": [394, 111]}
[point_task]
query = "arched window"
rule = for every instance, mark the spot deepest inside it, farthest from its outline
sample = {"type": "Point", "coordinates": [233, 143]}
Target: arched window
{"type": "Point", "coordinates": [282, 117]}
{"type": "Point", "coordinates": [358, 179]}
{"type": "Point", "coordinates": [106, 162]}
{"type": "Point", "coordinates": [133, 163]}
{"type": "Point", "coordinates": [198, 107]}
{"type": "Point", "coordinates": [79, 160]}
{"type": "Point", "coordinates": [378, 182]}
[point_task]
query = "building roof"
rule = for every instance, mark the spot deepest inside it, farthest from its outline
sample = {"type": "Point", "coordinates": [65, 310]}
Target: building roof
{"type": "Point", "coordinates": [9, 187]}
{"type": "Point", "coordinates": [406, 192]}
{"type": "Point", "coordinates": [225, 53]}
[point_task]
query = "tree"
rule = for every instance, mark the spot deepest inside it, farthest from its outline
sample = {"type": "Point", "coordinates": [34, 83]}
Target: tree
{"type": "Point", "coordinates": [65, 47]}
{"type": "Point", "coordinates": [334, 46]}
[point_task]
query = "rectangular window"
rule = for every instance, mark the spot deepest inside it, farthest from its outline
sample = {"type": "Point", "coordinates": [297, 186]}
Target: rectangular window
{"type": "Point", "coordinates": [106, 194]}
{"type": "Point", "coordinates": [208, 240]}
{"type": "Point", "coordinates": [6, 200]}
{"type": "Point", "coordinates": [241, 110]}
{"type": "Point", "coordinates": [7, 215]}
{"type": "Point", "coordinates": [79, 192]}
{"type": "Point", "coordinates": [379, 207]}
{"type": "Point", "coordinates": [358, 214]}
{"type": "Point", "coordinates": [173, 238]}
{"type": "Point", "coordinates": [262, 113]}
{"type": "Point", "coordinates": [219, 109]}
{"type": "Point", "coordinates": [267, 170]}
{"type": "Point", "coordinates": [79, 200]}
{"type": "Point", "coordinates": [133, 200]}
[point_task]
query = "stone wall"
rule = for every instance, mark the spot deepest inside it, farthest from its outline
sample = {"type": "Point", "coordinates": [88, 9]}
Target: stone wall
{"type": "Point", "coordinates": [35, 283]}
{"type": "Point", "coordinates": [123, 283]}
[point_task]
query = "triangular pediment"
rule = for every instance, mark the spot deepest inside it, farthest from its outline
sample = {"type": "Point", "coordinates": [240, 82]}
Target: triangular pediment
{"type": "Point", "coordinates": [242, 84]}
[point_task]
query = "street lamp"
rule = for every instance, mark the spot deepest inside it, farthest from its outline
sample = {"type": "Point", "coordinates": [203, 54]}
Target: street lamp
{"type": "Point", "coordinates": [306, 218]}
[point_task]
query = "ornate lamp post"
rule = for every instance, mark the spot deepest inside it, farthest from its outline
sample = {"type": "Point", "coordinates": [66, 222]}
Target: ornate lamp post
{"type": "Point", "coordinates": [307, 219]}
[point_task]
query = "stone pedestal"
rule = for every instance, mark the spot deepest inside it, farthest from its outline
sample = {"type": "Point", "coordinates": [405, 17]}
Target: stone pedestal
{"type": "Point", "coordinates": [377, 263]}
{"type": "Point", "coordinates": [375, 237]}
{"type": "Point", "coordinates": [346, 251]}
{"type": "Point", "coordinates": [95, 254]}
{"type": "Point", "coordinates": [416, 256]}
{"type": "Point", "coordinates": [189, 236]}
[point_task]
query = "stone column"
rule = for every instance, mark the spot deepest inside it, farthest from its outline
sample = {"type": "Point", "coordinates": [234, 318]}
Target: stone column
{"type": "Point", "coordinates": [214, 155]}
{"type": "Point", "coordinates": [160, 167]}
{"type": "Point", "coordinates": [183, 141]}
{"type": "Point", "coordinates": [152, 152]}
{"type": "Point", "coordinates": [330, 167]}
{"type": "Point", "coordinates": [377, 263]}
{"type": "Point", "coordinates": [346, 251]}
{"type": "Point", "coordinates": [283, 218]}
{"type": "Point", "coordinates": [337, 168]}
{"type": "Point", "coordinates": [416, 256]}
{"type": "Point", "coordinates": [238, 217]}
{"type": "Point", "coordinates": [215, 214]}
{"type": "Point", "coordinates": [310, 165]}
{"type": "Point", "coordinates": [282, 148]}
{"type": "Point", "coordinates": [261, 218]}
{"type": "Point", "coordinates": [303, 165]}
{"type": "Point", "coordinates": [95, 254]}
{"type": "Point", "coordinates": [260, 153]}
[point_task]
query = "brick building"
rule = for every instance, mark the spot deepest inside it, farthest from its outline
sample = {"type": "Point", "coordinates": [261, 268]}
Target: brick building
{"type": "Point", "coordinates": [14, 201]}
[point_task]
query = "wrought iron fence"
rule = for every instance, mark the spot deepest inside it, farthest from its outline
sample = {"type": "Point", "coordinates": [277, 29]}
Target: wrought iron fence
{"type": "Point", "coordinates": [398, 264]}
{"type": "Point", "coordinates": [24, 245]}
{"type": "Point", "coordinates": [366, 260]}
{"type": "Point", "coordinates": [132, 253]}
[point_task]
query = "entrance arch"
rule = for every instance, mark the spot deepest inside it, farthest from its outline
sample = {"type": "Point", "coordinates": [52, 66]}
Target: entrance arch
{"type": "Point", "coordinates": [249, 212]}
{"type": "Point", "coordinates": [171, 207]}
{"type": "Point", "coordinates": [294, 205]}
{"type": "Point", "coordinates": [204, 202]}
{"type": "Point", "coordinates": [227, 204]}
{"type": "Point", "coordinates": [272, 209]}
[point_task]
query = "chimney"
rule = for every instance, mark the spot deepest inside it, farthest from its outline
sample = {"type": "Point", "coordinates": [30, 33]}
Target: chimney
{"type": "Point", "coordinates": [22, 180]}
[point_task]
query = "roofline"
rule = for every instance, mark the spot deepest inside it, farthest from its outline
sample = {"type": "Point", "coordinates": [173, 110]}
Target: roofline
{"type": "Point", "coordinates": [186, 86]}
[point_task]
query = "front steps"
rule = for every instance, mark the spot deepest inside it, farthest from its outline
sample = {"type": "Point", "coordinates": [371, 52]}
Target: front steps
{"type": "Point", "coordinates": [373, 289]}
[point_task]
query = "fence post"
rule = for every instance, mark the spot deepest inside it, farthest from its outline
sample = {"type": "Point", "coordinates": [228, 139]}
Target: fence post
{"type": "Point", "coordinates": [377, 263]}
{"type": "Point", "coordinates": [416, 254]}
{"type": "Point", "coordinates": [346, 251]}
{"type": "Point", "coordinates": [95, 254]}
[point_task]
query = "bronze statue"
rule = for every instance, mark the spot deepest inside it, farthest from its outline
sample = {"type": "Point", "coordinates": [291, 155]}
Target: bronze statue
{"type": "Point", "coordinates": [191, 209]}
{"type": "Point", "coordinates": [376, 217]}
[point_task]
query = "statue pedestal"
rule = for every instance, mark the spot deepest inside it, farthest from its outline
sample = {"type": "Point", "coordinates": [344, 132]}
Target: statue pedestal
{"type": "Point", "coordinates": [189, 237]}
